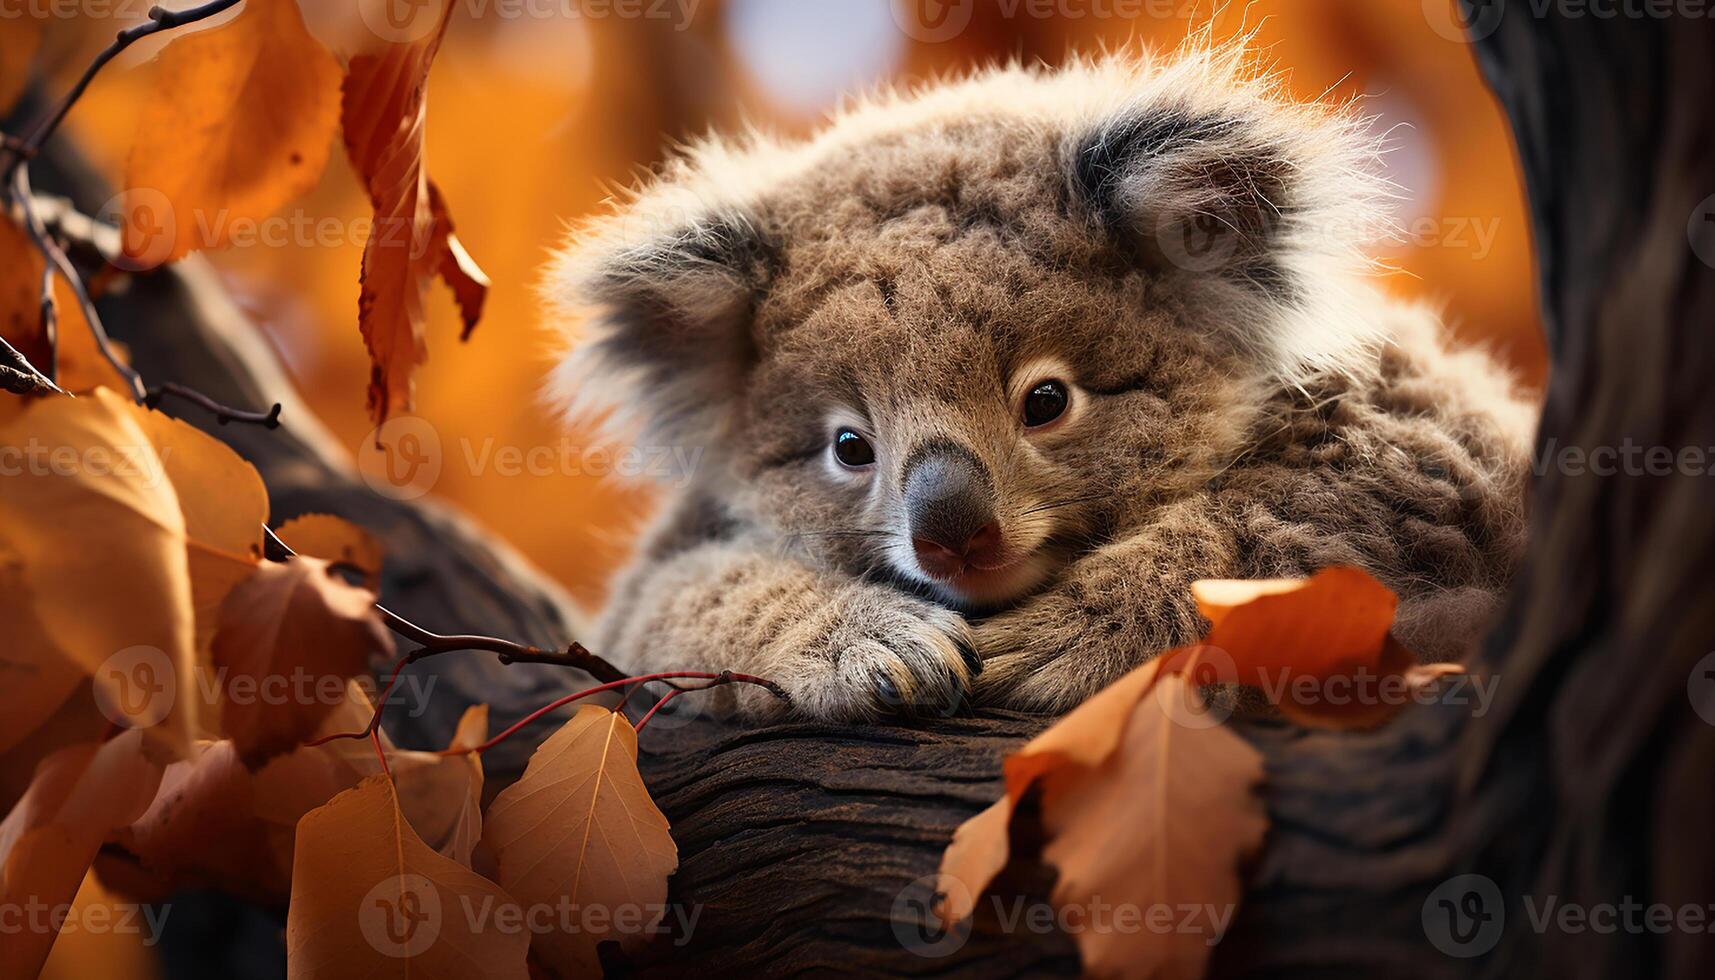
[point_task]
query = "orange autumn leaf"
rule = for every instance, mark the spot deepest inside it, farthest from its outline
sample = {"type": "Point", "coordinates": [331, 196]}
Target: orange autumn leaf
{"type": "Point", "coordinates": [439, 794]}
{"type": "Point", "coordinates": [95, 514]}
{"type": "Point", "coordinates": [442, 794]}
{"type": "Point", "coordinates": [36, 677]}
{"type": "Point", "coordinates": [225, 505]}
{"type": "Point", "coordinates": [1319, 648]}
{"type": "Point", "coordinates": [383, 111]}
{"type": "Point", "coordinates": [1167, 821]}
{"type": "Point", "coordinates": [335, 540]}
{"type": "Point", "coordinates": [978, 853]}
{"type": "Point", "coordinates": [580, 827]}
{"type": "Point", "coordinates": [370, 899]}
{"type": "Point", "coordinates": [1334, 621]}
{"type": "Point", "coordinates": [284, 633]}
{"type": "Point", "coordinates": [201, 831]}
{"type": "Point", "coordinates": [48, 841]}
{"type": "Point", "coordinates": [1144, 802]}
{"type": "Point", "coordinates": [240, 123]}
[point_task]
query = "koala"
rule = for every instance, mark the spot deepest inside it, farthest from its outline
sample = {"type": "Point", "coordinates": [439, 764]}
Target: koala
{"type": "Point", "coordinates": [987, 374]}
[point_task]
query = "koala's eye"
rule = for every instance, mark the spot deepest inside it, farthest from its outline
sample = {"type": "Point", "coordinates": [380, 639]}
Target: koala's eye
{"type": "Point", "coordinates": [1045, 403]}
{"type": "Point", "coordinates": [852, 449]}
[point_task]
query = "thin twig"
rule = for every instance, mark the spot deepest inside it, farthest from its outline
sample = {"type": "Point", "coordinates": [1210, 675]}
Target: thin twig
{"type": "Point", "coordinates": [160, 19]}
{"type": "Point", "coordinates": [432, 644]}
{"type": "Point", "coordinates": [56, 256]}
{"type": "Point", "coordinates": [657, 706]}
{"type": "Point", "coordinates": [222, 413]}
{"type": "Point", "coordinates": [21, 377]}
{"type": "Point", "coordinates": [50, 323]}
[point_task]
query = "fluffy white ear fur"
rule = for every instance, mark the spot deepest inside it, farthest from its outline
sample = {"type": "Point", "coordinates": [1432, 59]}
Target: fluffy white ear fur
{"type": "Point", "coordinates": [652, 301]}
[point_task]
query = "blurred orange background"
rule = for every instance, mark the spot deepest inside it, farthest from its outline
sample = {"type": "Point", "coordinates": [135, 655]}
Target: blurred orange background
{"type": "Point", "coordinates": [539, 108]}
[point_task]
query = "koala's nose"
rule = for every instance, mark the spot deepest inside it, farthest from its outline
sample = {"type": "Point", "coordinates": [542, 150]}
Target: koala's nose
{"type": "Point", "coordinates": [949, 500]}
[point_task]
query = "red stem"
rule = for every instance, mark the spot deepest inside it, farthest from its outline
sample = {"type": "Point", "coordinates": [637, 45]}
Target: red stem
{"type": "Point", "coordinates": [375, 716]}
{"type": "Point", "coordinates": [657, 707]}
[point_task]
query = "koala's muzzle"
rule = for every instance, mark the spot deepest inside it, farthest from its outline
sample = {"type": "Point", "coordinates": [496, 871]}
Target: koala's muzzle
{"type": "Point", "coordinates": [949, 502]}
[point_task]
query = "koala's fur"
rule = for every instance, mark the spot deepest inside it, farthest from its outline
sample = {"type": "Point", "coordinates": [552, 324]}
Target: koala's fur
{"type": "Point", "coordinates": [1172, 238]}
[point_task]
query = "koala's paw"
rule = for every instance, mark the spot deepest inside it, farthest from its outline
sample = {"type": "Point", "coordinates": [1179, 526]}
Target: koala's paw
{"type": "Point", "coordinates": [882, 653]}
{"type": "Point", "coordinates": [1043, 658]}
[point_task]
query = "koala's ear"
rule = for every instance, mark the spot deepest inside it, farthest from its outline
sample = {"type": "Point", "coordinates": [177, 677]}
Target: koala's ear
{"type": "Point", "coordinates": [662, 337]}
{"type": "Point", "coordinates": [1189, 191]}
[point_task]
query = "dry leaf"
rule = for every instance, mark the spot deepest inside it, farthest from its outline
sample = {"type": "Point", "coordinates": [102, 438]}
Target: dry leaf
{"type": "Point", "coordinates": [201, 832]}
{"type": "Point", "coordinates": [1318, 648]}
{"type": "Point", "coordinates": [1333, 622]}
{"type": "Point", "coordinates": [241, 122]}
{"type": "Point", "coordinates": [979, 851]}
{"type": "Point", "coordinates": [370, 899]}
{"type": "Point", "coordinates": [336, 540]}
{"type": "Point", "coordinates": [225, 505]}
{"type": "Point", "coordinates": [1085, 739]}
{"type": "Point", "coordinates": [442, 794]}
{"type": "Point", "coordinates": [284, 634]}
{"type": "Point", "coordinates": [384, 110]}
{"type": "Point", "coordinates": [1164, 824]}
{"type": "Point", "coordinates": [580, 827]}
{"type": "Point", "coordinates": [35, 676]}
{"type": "Point", "coordinates": [94, 515]}
{"type": "Point", "coordinates": [48, 841]}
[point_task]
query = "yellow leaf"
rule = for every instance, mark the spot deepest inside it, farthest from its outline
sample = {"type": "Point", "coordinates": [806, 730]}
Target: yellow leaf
{"type": "Point", "coordinates": [201, 832]}
{"type": "Point", "coordinates": [100, 535]}
{"type": "Point", "coordinates": [384, 111]}
{"type": "Point", "coordinates": [442, 794]}
{"type": "Point", "coordinates": [287, 634]}
{"type": "Point", "coordinates": [370, 899]}
{"type": "Point", "coordinates": [580, 827]}
{"type": "Point", "coordinates": [48, 841]}
{"type": "Point", "coordinates": [35, 676]}
{"type": "Point", "coordinates": [336, 540]}
{"type": "Point", "coordinates": [240, 123]}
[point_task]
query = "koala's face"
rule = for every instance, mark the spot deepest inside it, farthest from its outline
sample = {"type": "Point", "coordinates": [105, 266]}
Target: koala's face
{"type": "Point", "coordinates": [964, 336]}
{"type": "Point", "coordinates": [967, 420]}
